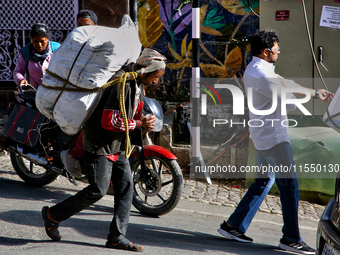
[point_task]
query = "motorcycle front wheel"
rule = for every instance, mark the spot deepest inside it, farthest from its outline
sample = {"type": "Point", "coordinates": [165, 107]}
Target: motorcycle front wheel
{"type": "Point", "coordinates": [31, 173]}
{"type": "Point", "coordinates": [164, 192]}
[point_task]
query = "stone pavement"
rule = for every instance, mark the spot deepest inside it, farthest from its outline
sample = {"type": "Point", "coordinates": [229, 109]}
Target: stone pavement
{"type": "Point", "coordinates": [229, 196]}
{"type": "Point", "coordinates": [202, 192]}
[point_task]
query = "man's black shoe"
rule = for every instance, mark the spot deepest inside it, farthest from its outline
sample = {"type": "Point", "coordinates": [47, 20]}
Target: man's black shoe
{"type": "Point", "coordinates": [233, 233]}
{"type": "Point", "coordinates": [51, 226]}
{"type": "Point", "coordinates": [301, 247]}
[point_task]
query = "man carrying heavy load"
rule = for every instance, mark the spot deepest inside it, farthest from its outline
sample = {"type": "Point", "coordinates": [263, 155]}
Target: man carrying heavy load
{"type": "Point", "coordinates": [104, 151]}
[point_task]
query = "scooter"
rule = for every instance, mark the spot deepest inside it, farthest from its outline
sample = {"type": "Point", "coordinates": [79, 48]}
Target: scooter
{"type": "Point", "coordinates": [35, 143]}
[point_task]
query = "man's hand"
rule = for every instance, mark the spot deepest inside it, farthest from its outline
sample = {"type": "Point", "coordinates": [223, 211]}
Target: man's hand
{"type": "Point", "coordinates": [325, 95]}
{"type": "Point", "coordinates": [148, 123]}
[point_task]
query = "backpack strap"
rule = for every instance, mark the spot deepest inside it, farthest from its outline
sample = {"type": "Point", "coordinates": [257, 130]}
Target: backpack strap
{"type": "Point", "coordinates": [25, 51]}
{"type": "Point", "coordinates": [54, 46]}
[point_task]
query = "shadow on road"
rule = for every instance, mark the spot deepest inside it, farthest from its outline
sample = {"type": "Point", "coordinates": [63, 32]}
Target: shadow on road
{"type": "Point", "coordinates": [13, 189]}
{"type": "Point", "coordinates": [19, 241]}
{"type": "Point", "coordinates": [150, 233]}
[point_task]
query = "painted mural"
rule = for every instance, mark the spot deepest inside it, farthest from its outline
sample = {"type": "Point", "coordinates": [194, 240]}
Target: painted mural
{"type": "Point", "coordinates": [225, 25]}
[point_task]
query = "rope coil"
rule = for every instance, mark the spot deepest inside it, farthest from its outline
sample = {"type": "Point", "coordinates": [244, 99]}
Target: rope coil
{"type": "Point", "coordinates": [130, 76]}
{"type": "Point", "coordinates": [121, 95]}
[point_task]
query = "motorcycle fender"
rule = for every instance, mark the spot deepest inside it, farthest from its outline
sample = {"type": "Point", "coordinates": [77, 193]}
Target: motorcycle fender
{"type": "Point", "coordinates": [155, 150]}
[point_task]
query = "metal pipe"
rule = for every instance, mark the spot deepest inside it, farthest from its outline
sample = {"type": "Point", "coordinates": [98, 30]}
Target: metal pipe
{"type": "Point", "coordinates": [196, 157]}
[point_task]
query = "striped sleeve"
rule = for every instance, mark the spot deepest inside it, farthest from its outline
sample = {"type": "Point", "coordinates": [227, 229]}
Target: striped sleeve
{"type": "Point", "coordinates": [113, 121]}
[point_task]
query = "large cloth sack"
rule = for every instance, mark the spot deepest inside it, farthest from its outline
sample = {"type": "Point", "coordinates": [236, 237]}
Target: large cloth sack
{"type": "Point", "coordinates": [332, 115]}
{"type": "Point", "coordinates": [87, 59]}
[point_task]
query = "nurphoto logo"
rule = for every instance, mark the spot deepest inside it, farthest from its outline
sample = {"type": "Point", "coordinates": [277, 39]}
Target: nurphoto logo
{"type": "Point", "coordinates": [239, 98]}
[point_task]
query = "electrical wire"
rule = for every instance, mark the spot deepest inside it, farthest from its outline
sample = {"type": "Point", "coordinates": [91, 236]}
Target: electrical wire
{"type": "Point", "coordinates": [176, 107]}
{"type": "Point", "coordinates": [249, 6]}
{"type": "Point", "coordinates": [219, 146]}
{"type": "Point", "coordinates": [254, 12]}
{"type": "Point", "coordinates": [311, 45]}
{"type": "Point", "coordinates": [228, 148]}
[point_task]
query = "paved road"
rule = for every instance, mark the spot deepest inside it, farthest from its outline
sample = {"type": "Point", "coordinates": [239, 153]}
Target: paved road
{"type": "Point", "coordinates": [189, 229]}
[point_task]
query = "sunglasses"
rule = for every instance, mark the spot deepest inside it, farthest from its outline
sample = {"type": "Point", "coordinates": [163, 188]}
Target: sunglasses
{"type": "Point", "coordinates": [276, 50]}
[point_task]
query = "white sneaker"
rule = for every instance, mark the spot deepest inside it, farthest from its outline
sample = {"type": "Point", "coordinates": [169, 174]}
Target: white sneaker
{"type": "Point", "coordinates": [71, 164]}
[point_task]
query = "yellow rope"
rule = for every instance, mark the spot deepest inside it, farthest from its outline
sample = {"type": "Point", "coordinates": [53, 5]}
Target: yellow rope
{"type": "Point", "coordinates": [130, 76]}
{"type": "Point", "coordinates": [121, 96]}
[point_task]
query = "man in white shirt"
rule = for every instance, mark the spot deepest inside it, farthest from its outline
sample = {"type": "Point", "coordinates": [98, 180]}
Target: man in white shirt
{"type": "Point", "coordinates": [271, 140]}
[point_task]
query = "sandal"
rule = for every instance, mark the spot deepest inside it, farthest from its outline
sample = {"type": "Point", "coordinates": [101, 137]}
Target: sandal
{"type": "Point", "coordinates": [124, 244]}
{"type": "Point", "coordinates": [51, 227]}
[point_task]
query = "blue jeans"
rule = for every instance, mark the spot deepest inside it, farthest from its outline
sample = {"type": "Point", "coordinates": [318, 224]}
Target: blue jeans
{"type": "Point", "coordinates": [280, 156]}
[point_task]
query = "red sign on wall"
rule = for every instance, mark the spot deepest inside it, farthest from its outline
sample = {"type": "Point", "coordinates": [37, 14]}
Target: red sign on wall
{"type": "Point", "coordinates": [282, 15]}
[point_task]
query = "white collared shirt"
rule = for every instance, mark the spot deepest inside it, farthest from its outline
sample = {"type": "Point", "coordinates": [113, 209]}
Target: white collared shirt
{"type": "Point", "coordinates": [266, 130]}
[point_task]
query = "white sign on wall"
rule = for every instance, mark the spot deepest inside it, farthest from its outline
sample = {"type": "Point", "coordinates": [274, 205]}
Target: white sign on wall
{"type": "Point", "coordinates": [330, 17]}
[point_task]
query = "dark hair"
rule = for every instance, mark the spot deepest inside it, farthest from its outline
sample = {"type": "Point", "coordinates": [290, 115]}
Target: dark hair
{"type": "Point", "coordinates": [40, 29]}
{"type": "Point", "coordinates": [263, 40]}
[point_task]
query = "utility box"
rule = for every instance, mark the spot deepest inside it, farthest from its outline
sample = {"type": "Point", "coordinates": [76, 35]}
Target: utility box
{"type": "Point", "coordinates": [287, 19]}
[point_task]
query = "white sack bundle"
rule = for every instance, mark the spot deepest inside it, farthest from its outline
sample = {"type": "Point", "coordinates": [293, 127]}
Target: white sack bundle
{"type": "Point", "coordinates": [87, 59]}
{"type": "Point", "coordinates": [332, 115]}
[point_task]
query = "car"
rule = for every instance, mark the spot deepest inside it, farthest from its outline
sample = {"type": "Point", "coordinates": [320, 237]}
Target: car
{"type": "Point", "coordinates": [328, 233]}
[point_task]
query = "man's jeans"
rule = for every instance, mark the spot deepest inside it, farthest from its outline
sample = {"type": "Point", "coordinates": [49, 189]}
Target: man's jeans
{"type": "Point", "coordinates": [100, 172]}
{"type": "Point", "coordinates": [279, 155]}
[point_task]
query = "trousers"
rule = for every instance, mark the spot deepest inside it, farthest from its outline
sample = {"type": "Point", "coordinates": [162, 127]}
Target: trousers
{"type": "Point", "coordinates": [279, 165]}
{"type": "Point", "coordinates": [100, 171]}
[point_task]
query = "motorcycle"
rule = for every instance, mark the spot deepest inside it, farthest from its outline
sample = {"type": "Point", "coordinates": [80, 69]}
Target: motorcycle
{"type": "Point", "coordinates": [35, 143]}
